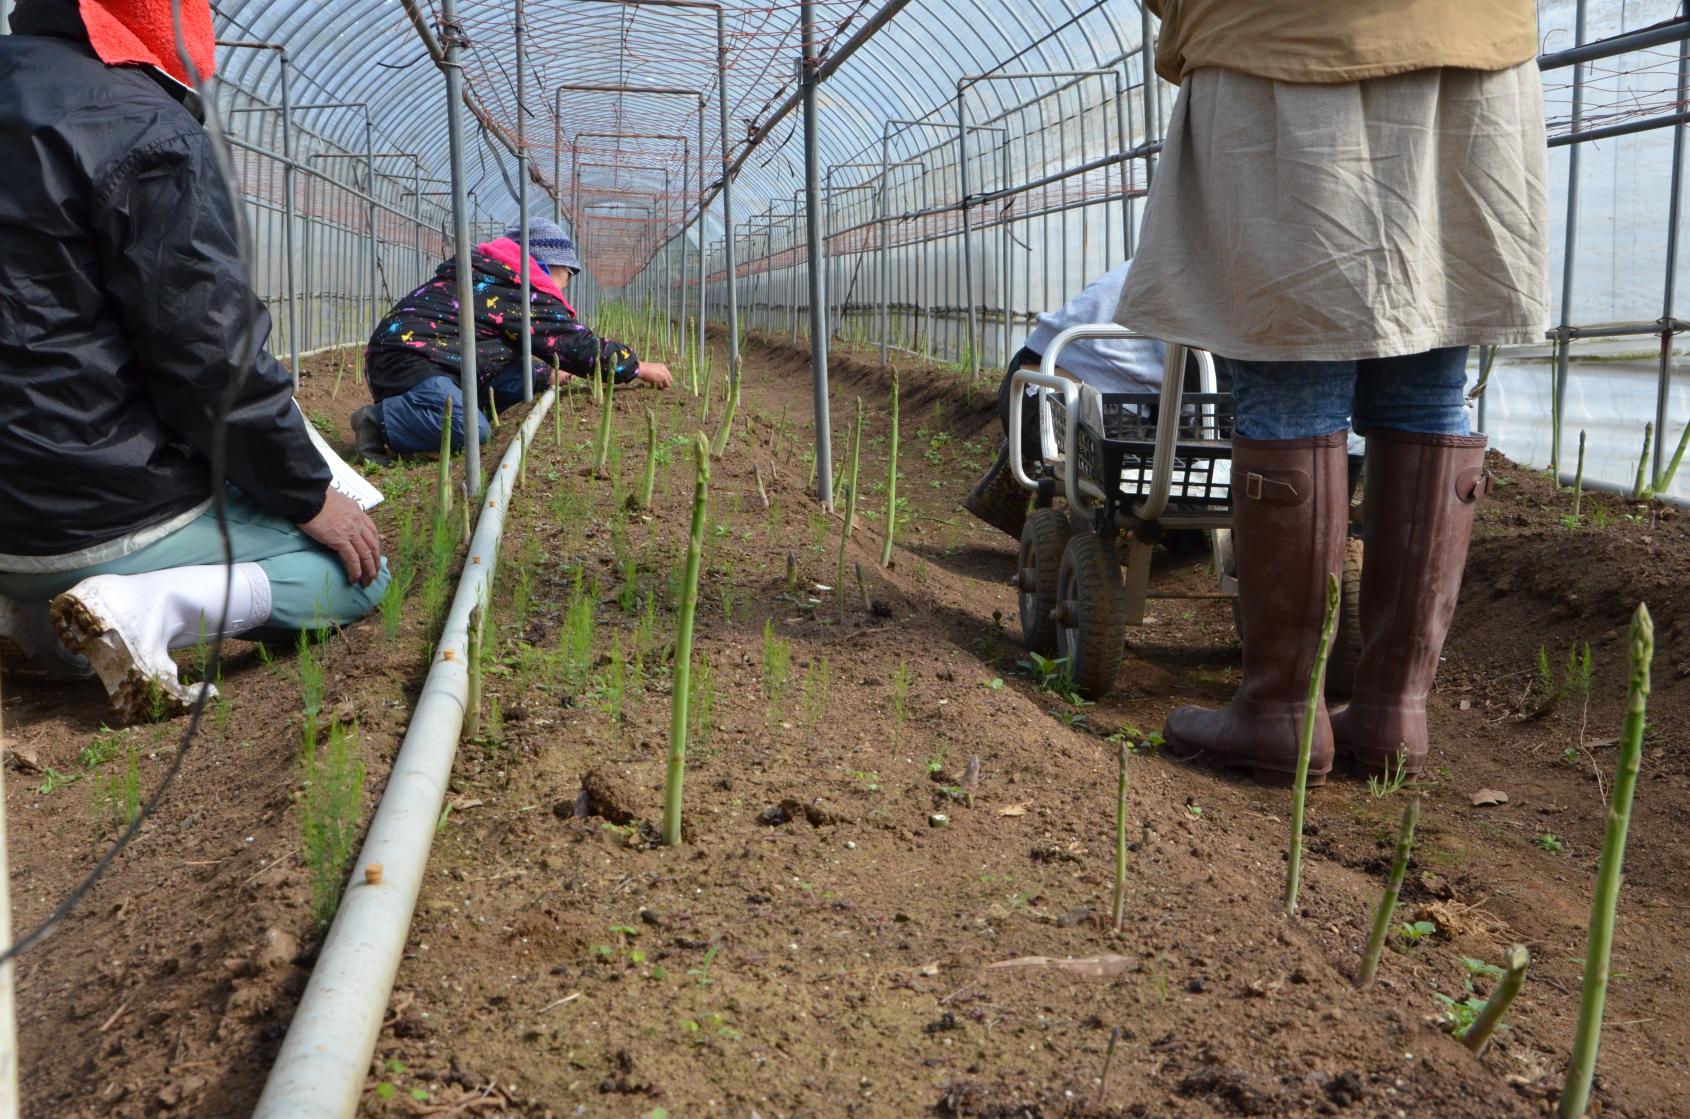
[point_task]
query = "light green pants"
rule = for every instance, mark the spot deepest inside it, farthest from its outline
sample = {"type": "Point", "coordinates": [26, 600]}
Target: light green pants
{"type": "Point", "coordinates": [308, 585]}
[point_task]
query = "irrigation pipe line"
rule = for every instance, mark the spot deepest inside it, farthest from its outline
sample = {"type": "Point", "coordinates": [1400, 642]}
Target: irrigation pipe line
{"type": "Point", "coordinates": [320, 1071]}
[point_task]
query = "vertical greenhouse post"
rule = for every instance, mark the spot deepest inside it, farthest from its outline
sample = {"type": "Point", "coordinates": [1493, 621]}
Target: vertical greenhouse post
{"type": "Point", "coordinates": [287, 186]}
{"type": "Point", "coordinates": [1569, 255]}
{"type": "Point", "coordinates": [813, 239]}
{"type": "Point", "coordinates": [527, 328]}
{"type": "Point", "coordinates": [452, 66]}
{"type": "Point", "coordinates": [1663, 385]}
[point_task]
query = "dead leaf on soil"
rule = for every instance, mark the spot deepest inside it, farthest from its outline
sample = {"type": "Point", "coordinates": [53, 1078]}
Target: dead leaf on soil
{"type": "Point", "coordinates": [1092, 967]}
{"type": "Point", "coordinates": [1486, 798]}
{"type": "Point", "coordinates": [929, 970]}
{"type": "Point", "coordinates": [24, 759]}
{"type": "Point", "coordinates": [464, 804]}
{"type": "Point", "coordinates": [1013, 810]}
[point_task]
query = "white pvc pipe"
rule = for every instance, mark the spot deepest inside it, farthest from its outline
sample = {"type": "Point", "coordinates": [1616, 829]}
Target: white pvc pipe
{"type": "Point", "coordinates": [320, 1072]}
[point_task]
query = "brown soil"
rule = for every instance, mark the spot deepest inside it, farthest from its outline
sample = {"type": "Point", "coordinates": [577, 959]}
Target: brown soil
{"type": "Point", "coordinates": [818, 946]}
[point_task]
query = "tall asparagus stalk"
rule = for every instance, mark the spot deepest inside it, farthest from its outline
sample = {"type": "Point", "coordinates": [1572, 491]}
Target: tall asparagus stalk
{"type": "Point", "coordinates": [709, 387]}
{"type": "Point", "coordinates": [1300, 789]}
{"type": "Point", "coordinates": [856, 461]}
{"type": "Point", "coordinates": [850, 509]}
{"type": "Point", "coordinates": [650, 482]}
{"type": "Point", "coordinates": [1478, 1035]}
{"type": "Point", "coordinates": [1388, 903]}
{"type": "Point", "coordinates": [1578, 478]}
{"type": "Point", "coordinates": [892, 486]}
{"type": "Point", "coordinates": [726, 430]}
{"type": "Point", "coordinates": [683, 651]}
{"type": "Point", "coordinates": [1677, 458]}
{"type": "Point", "coordinates": [1599, 945]}
{"type": "Point", "coordinates": [601, 459]}
{"type": "Point", "coordinates": [557, 410]}
{"type": "Point", "coordinates": [443, 489]}
{"type": "Point", "coordinates": [1121, 841]}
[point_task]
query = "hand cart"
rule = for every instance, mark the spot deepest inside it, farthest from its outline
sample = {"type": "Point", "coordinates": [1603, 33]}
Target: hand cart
{"type": "Point", "coordinates": [1132, 465]}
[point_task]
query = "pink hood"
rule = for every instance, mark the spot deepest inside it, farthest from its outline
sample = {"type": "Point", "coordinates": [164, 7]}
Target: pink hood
{"type": "Point", "coordinates": [509, 253]}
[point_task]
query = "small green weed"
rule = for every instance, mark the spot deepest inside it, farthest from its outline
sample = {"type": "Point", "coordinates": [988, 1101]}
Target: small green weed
{"type": "Point", "coordinates": [816, 682]}
{"type": "Point", "coordinates": [332, 805]}
{"type": "Point", "coordinates": [1414, 932]}
{"type": "Point", "coordinates": [1391, 781]}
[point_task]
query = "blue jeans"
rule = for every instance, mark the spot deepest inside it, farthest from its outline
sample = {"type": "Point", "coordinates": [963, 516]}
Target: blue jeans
{"type": "Point", "coordinates": [1423, 393]}
{"type": "Point", "coordinates": [411, 420]}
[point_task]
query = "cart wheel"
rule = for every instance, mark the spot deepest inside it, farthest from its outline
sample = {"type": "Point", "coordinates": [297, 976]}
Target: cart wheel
{"type": "Point", "coordinates": [1043, 538]}
{"type": "Point", "coordinates": [1091, 615]}
{"type": "Point", "coordinates": [1346, 641]}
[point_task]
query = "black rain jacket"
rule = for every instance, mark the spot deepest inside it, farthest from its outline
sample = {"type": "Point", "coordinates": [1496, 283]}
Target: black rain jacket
{"type": "Point", "coordinates": [125, 310]}
{"type": "Point", "coordinates": [419, 338]}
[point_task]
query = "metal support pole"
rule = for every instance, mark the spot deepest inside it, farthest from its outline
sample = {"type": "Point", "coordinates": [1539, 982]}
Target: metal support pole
{"type": "Point", "coordinates": [967, 241]}
{"type": "Point", "coordinates": [703, 261]}
{"type": "Point", "coordinates": [818, 279]}
{"type": "Point", "coordinates": [886, 267]}
{"type": "Point", "coordinates": [1568, 251]}
{"type": "Point", "coordinates": [527, 349]}
{"type": "Point", "coordinates": [727, 196]}
{"type": "Point", "coordinates": [1663, 386]}
{"type": "Point", "coordinates": [452, 65]}
{"type": "Point", "coordinates": [288, 218]}
{"type": "Point", "coordinates": [1147, 53]}
{"type": "Point", "coordinates": [557, 163]}
{"type": "Point", "coordinates": [375, 241]}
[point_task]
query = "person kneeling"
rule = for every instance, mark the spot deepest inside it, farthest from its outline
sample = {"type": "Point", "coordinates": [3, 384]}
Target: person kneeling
{"type": "Point", "coordinates": [414, 357]}
{"type": "Point", "coordinates": [141, 362]}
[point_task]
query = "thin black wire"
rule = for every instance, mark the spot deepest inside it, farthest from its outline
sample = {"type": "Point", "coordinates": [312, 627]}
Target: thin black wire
{"type": "Point", "coordinates": [219, 458]}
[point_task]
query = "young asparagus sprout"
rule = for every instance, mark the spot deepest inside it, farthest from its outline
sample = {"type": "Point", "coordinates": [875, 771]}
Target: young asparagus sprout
{"type": "Point", "coordinates": [443, 493]}
{"type": "Point", "coordinates": [1640, 488]}
{"type": "Point", "coordinates": [683, 650]}
{"type": "Point", "coordinates": [1478, 1035]}
{"type": "Point", "coordinates": [1388, 903]}
{"type": "Point", "coordinates": [649, 483]}
{"type": "Point", "coordinates": [1300, 788]}
{"type": "Point", "coordinates": [472, 703]}
{"type": "Point", "coordinates": [1121, 841]}
{"type": "Point", "coordinates": [1575, 1093]}
{"type": "Point", "coordinates": [892, 483]}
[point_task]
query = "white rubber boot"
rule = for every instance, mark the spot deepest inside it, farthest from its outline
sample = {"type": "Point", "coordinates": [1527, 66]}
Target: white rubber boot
{"type": "Point", "coordinates": [29, 646]}
{"type": "Point", "coordinates": [126, 626]}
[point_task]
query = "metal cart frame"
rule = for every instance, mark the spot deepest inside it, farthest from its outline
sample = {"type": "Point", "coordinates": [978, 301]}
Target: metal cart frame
{"type": "Point", "coordinates": [1082, 613]}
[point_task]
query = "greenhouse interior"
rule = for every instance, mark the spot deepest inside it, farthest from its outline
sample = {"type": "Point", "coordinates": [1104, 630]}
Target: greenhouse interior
{"type": "Point", "coordinates": [1045, 559]}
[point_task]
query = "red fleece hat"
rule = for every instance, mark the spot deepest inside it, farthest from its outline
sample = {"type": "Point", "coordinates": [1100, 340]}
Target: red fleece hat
{"type": "Point", "coordinates": [141, 31]}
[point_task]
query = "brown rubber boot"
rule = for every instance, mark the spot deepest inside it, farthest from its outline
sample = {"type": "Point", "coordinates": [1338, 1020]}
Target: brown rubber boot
{"type": "Point", "coordinates": [1289, 511]}
{"type": "Point", "coordinates": [997, 499]}
{"type": "Point", "coordinates": [1422, 493]}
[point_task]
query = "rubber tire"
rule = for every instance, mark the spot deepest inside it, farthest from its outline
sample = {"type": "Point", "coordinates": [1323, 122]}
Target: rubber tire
{"type": "Point", "coordinates": [1094, 638]}
{"type": "Point", "coordinates": [1043, 539]}
{"type": "Point", "coordinates": [1346, 639]}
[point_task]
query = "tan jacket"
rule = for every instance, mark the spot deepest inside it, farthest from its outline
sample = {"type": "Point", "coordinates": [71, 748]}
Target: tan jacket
{"type": "Point", "coordinates": [1342, 40]}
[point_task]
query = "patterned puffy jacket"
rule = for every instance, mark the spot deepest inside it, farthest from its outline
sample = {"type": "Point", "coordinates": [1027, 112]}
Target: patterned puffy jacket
{"type": "Point", "coordinates": [419, 338]}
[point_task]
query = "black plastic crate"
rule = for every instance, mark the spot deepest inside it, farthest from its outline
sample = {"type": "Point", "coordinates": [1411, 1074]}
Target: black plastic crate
{"type": "Point", "coordinates": [1124, 449]}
